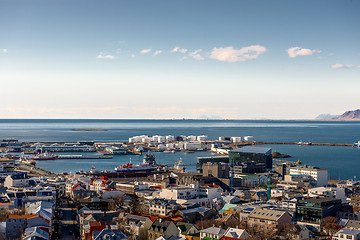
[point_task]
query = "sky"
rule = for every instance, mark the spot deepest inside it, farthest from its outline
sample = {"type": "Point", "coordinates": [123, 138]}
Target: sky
{"type": "Point", "coordinates": [255, 59]}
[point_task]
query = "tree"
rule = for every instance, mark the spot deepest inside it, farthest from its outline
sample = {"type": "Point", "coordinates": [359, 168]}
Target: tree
{"type": "Point", "coordinates": [143, 234]}
{"type": "Point", "coordinates": [329, 225]}
{"type": "Point", "coordinates": [119, 200]}
{"type": "Point", "coordinates": [134, 204]}
{"type": "Point", "coordinates": [289, 231]}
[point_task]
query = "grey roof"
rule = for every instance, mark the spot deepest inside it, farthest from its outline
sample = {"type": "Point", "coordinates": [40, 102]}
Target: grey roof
{"type": "Point", "coordinates": [250, 149]}
{"type": "Point", "coordinates": [267, 214]}
{"type": "Point", "coordinates": [198, 209]}
{"type": "Point", "coordinates": [353, 224]}
{"type": "Point", "coordinates": [213, 230]}
{"type": "Point", "coordinates": [349, 231]}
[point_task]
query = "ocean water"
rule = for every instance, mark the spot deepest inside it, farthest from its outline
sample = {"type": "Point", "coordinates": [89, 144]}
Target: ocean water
{"type": "Point", "coordinates": [342, 162]}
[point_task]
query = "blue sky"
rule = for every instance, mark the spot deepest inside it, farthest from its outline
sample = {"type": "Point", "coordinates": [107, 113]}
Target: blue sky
{"type": "Point", "coordinates": [178, 59]}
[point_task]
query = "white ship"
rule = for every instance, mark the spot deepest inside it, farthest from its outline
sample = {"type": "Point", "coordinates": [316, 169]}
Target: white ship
{"type": "Point", "coordinates": [137, 168]}
{"type": "Point", "coordinates": [179, 166]}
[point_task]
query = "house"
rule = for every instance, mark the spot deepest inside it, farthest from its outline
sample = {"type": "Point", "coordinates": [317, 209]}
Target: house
{"type": "Point", "coordinates": [108, 234]}
{"type": "Point", "coordinates": [162, 228]}
{"type": "Point", "coordinates": [232, 199]}
{"type": "Point", "coordinates": [188, 230]}
{"type": "Point", "coordinates": [35, 233]}
{"type": "Point", "coordinates": [136, 223]}
{"type": "Point", "coordinates": [228, 219]}
{"type": "Point", "coordinates": [16, 224]}
{"type": "Point", "coordinates": [161, 207]}
{"type": "Point", "coordinates": [348, 212]}
{"type": "Point", "coordinates": [20, 179]}
{"type": "Point", "coordinates": [194, 214]}
{"type": "Point", "coordinates": [101, 184]}
{"type": "Point", "coordinates": [212, 233]}
{"type": "Point", "coordinates": [235, 234]}
{"type": "Point", "coordinates": [347, 233]}
{"type": "Point", "coordinates": [269, 218]}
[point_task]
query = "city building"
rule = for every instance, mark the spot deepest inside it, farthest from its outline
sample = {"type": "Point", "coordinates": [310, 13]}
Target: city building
{"type": "Point", "coordinates": [219, 170]}
{"type": "Point", "coordinates": [249, 154]}
{"type": "Point", "coordinates": [319, 176]}
{"type": "Point", "coordinates": [269, 218]}
{"type": "Point", "coordinates": [328, 192]}
{"type": "Point", "coordinates": [6, 166]}
{"type": "Point", "coordinates": [313, 210]}
{"type": "Point", "coordinates": [249, 167]}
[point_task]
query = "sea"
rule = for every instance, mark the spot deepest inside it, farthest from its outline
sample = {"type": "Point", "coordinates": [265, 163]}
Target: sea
{"type": "Point", "coordinates": [342, 162]}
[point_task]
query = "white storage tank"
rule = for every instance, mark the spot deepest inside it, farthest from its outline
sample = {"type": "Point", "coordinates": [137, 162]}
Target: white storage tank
{"type": "Point", "coordinates": [170, 146]}
{"type": "Point", "coordinates": [191, 138]}
{"type": "Point", "coordinates": [170, 138]}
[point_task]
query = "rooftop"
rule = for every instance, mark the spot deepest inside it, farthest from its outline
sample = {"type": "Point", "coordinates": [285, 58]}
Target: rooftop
{"type": "Point", "coordinates": [250, 149]}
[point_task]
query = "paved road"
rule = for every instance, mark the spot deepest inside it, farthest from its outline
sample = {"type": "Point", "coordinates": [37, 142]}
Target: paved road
{"type": "Point", "coordinates": [68, 223]}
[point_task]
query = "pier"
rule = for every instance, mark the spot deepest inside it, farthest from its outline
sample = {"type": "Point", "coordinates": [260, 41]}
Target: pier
{"type": "Point", "coordinates": [33, 170]}
{"type": "Point", "coordinates": [81, 157]}
{"type": "Point", "coordinates": [312, 144]}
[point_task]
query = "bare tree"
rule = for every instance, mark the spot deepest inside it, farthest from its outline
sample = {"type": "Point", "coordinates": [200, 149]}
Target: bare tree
{"type": "Point", "coordinates": [289, 231]}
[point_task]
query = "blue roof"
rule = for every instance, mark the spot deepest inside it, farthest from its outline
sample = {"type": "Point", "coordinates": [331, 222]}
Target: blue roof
{"type": "Point", "coordinates": [199, 209]}
{"type": "Point", "coordinates": [251, 149]}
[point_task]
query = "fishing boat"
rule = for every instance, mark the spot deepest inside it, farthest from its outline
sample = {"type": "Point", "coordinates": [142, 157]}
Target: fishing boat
{"type": "Point", "coordinates": [129, 167]}
{"type": "Point", "coordinates": [149, 159]}
{"type": "Point", "coordinates": [44, 156]}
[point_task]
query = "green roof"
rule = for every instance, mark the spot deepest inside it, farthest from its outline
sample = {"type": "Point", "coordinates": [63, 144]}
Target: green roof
{"type": "Point", "coordinates": [227, 207]}
{"type": "Point", "coordinates": [184, 227]}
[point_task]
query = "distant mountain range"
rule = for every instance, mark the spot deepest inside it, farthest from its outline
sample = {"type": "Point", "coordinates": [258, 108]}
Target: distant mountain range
{"type": "Point", "coordinates": [349, 115]}
{"type": "Point", "coordinates": [327, 116]}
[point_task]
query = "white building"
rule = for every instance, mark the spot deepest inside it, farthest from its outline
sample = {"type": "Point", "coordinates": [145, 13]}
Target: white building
{"type": "Point", "coordinates": [190, 192]}
{"type": "Point", "coordinates": [248, 138]}
{"type": "Point", "coordinates": [328, 192]}
{"type": "Point", "coordinates": [236, 139]}
{"type": "Point", "coordinates": [20, 179]}
{"type": "Point", "coordinates": [202, 138]}
{"type": "Point", "coordinates": [319, 176]}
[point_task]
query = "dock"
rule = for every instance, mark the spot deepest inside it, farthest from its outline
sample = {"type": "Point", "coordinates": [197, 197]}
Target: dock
{"type": "Point", "coordinates": [81, 157]}
{"type": "Point", "coordinates": [33, 169]}
{"type": "Point", "coordinates": [312, 144]}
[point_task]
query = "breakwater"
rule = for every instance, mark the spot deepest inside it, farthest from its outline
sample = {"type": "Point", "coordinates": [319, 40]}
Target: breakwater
{"type": "Point", "coordinates": [312, 144]}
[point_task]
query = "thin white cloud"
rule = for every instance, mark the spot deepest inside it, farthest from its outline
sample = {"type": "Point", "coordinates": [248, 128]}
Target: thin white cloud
{"type": "Point", "coordinates": [157, 52]}
{"type": "Point", "coordinates": [3, 50]}
{"type": "Point", "coordinates": [345, 66]}
{"type": "Point", "coordinates": [144, 51]}
{"type": "Point", "coordinates": [132, 55]}
{"type": "Point", "coordinates": [101, 56]}
{"type": "Point", "coordinates": [196, 55]}
{"type": "Point", "coordinates": [229, 54]}
{"type": "Point", "coordinates": [298, 51]}
{"type": "Point", "coordinates": [179, 49]}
